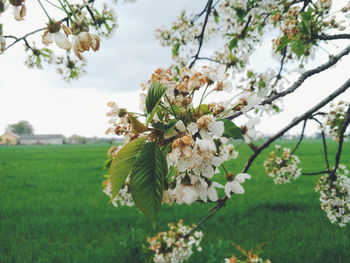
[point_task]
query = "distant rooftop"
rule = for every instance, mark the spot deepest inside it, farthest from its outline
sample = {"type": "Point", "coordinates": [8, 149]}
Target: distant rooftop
{"type": "Point", "coordinates": [41, 136]}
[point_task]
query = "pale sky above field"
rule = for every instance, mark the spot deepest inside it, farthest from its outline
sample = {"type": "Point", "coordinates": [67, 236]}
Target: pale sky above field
{"type": "Point", "coordinates": [115, 72]}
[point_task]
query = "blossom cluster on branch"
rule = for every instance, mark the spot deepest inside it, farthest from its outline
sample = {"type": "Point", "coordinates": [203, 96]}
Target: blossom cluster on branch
{"type": "Point", "coordinates": [335, 119]}
{"type": "Point", "coordinates": [175, 245]}
{"type": "Point", "coordinates": [242, 24]}
{"type": "Point", "coordinates": [191, 132]}
{"type": "Point", "coordinates": [335, 196]}
{"type": "Point", "coordinates": [282, 166]}
{"type": "Point", "coordinates": [80, 30]}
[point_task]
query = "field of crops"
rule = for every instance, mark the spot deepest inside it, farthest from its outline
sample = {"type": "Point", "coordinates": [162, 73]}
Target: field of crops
{"type": "Point", "coordinates": [52, 209]}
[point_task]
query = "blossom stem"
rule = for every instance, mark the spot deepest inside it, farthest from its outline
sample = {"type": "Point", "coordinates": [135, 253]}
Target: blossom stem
{"type": "Point", "coordinates": [43, 8]}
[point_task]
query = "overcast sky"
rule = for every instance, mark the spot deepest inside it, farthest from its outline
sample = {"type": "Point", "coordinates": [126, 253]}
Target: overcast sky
{"type": "Point", "coordinates": [116, 71]}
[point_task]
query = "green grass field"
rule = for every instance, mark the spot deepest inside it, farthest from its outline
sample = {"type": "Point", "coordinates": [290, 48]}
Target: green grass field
{"type": "Point", "coordinates": [52, 209]}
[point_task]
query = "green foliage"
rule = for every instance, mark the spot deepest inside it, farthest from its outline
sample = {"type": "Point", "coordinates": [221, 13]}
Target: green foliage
{"type": "Point", "coordinates": [147, 180]}
{"type": "Point", "coordinates": [233, 43]}
{"type": "Point", "coordinates": [175, 49]}
{"type": "Point", "coordinates": [124, 162]}
{"type": "Point", "coordinates": [22, 127]}
{"type": "Point", "coordinates": [231, 129]}
{"type": "Point", "coordinates": [154, 95]}
{"type": "Point", "coordinates": [53, 210]}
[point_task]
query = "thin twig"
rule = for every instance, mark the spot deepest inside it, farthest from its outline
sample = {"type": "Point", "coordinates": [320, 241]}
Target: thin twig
{"type": "Point", "coordinates": [301, 137]}
{"type": "Point", "coordinates": [295, 121]}
{"type": "Point", "coordinates": [201, 36]}
{"type": "Point", "coordinates": [332, 37]}
{"type": "Point", "coordinates": [307, 74]}
{"type": "Point", "coordinates": [317, 173]}
{"type": "Point", "coordinates": [305, 116]}
{"type": "Point", "coordinates": [324, 142]}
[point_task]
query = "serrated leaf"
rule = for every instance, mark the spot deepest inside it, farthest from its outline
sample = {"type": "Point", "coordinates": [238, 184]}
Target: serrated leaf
{"type": "Point", "coordinates": [124, 162]}
{"type": "Point", "coordinates": [231, 129]}
{"type": "Point", "coordinates": [147, 180]}
{"type": "Point", "coordinates": [154, 95]}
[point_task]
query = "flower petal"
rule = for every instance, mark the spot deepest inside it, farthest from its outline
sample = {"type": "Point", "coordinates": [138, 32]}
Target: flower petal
{"type": "Point", "coordinates": [62, 41]}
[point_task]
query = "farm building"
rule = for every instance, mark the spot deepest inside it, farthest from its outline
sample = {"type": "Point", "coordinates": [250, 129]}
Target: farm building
{"type": "Point", "coordinates": [9, 138]}
{"type": "Point", "coordinates": [29, 139]}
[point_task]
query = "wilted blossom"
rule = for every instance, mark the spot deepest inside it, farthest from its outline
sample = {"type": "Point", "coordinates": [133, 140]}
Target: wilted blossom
{"type": "Point", "coordinates": [84, 41]}
{"type": "Point", "coordinates": [53, 33]}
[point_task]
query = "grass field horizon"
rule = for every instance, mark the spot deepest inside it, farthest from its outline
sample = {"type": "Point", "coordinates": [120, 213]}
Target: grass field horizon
{"type": "Point", "coordinates": [52, 209]}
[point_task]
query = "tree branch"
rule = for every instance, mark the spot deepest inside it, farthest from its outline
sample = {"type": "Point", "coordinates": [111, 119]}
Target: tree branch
{"type": "Point", "coordinates": [307, 74]}
{"type": "Point", "coordinates": [297, 120]}
{"type": "Point", "coordinates": [332, 37]}
{"type": "Point", "coordinates": [305, 116]}
{"type": "Point", "coordinates": [201, 36]}
{"type": "Point", "coordinates": [301, 137]}
{"type": "Point", "coordinates": [324, 142]}
{"type": "Point", "coordinates": [317, 173]}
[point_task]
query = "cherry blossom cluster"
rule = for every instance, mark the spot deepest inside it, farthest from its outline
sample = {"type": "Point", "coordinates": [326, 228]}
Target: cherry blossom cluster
{"type": "Point", "coordinates": [335, 196]}
{"type": "Point", "coordinates": [335, 118]}
{"type": "Point", "coordinates": [282, 166]}
{"type": "Point", "coordinates": [78, 32]}
{"type": "Point", "coordinates": [192, 129]}
{"type": "Point", "coordinates": [242, 24]}
{"type": "Point", "coordinates": [227, 21]}
{"type": "Point", "coordinates": [175, 245]}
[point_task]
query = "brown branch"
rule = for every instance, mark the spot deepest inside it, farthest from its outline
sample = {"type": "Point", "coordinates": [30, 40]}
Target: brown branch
{"type": "Point", "coordinates": [332, 37]}
{"type": "Point", "coordinates": [295, 121]}
{"type": "Point", "coordinates": [317, 173]}
{"type": "Point", "coordinates": [324, 142]}
{"type": "Point", "coordinates": [23, 38]}
{"type": "Point", "coordinates": [201, 36]}
{"type": "Point", "coordinates": [307, 74]}
{"type": "Point", "coordinates": [305, 116]}
{"type": "Point", "coordinates": [301, 137]}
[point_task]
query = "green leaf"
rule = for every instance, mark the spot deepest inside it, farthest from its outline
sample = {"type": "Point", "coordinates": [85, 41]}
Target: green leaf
{"type": "Point", "coordinates": [216, 16]}
{"type": "Point", "coordinates": [241, 13]}
{"type": "Point", "coordinates": [233, 43]}
{"type": "Point", "coordinates": [175, 49]}
{"type": "Point", "coordinates": [283, 43]}
{"type": "Point", "coordinates": [124, 162]}
{"type": "Point", "coordinates": [154, 95]}
{"type": "Point", "coordinates": [147, 180]}
{"type": "Point", "coordinates": [231, 129]}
